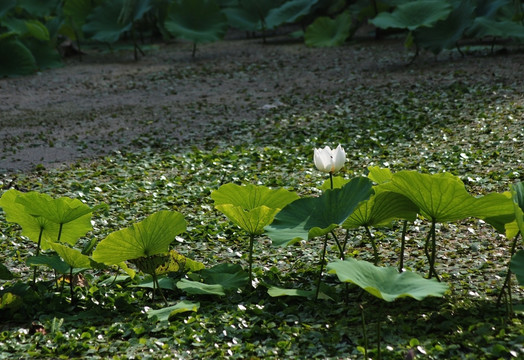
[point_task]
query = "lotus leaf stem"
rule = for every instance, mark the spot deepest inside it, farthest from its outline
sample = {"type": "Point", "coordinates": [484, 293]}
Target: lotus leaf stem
{"type": "Point", "coordinates": [321, 267]}
{"type": "Point", "coordinates": [373, 244]}
{"type": "Point", "coordinates": [507, 280]}
{"type": "Point", "coordinates": [402, 246]}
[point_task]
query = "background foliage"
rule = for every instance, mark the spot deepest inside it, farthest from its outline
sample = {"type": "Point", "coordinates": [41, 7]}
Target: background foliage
{"type": "Point", "coordinates": [34, 35]}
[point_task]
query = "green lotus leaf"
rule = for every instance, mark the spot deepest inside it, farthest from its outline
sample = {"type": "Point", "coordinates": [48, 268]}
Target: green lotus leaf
{"type": "Point", "coordinates": [229, 276]}
{"type": "Point", "coordinates": [338, 182]}
{"type": "Point", "coordinates": [34, 225]}
{"type": "Point", "coordinates": [381, 209]}
{"type": "Point", "coordinates": [443, 197]}
{"type": "Point", "coordinates": [275, 291]}
{"type": "Point", "coordinates": [199, 288]}
{"type": "Point", "coordinates": [111, 19]}
{"type": "Point", "coordinates": [517, 191]}
{"type": "Point", "coordinates": [72, 257]}
{"type": "Point", "coordinates": [496, 209]}
{"type": "Point", "coordinates": [413, 15]}
{"type": "Point", "coordinates": [251, 207]}
{"type": "Point", "coordinates": [61, 211]}
{"type": "Point", "coordinates": [199, 21]}
{"type": "Point", "coordinates": [307, 218]}
{"type": "Point", "coordinates": [447, 32]}
{"type": "Point", "coordinates": [15, 58]}
{"type": "Point", "coordinates": [144, 239]}
{"type": "Point", "coordinates": [327, 32]}
{"type": "Point", "coordinates": [5, 274]}
{"type": "Point", "coordinates": [517, 266]}
{"type": "Point", "coordinates": [53, 261]}
{"type": "Point", "coordinates": [251, 196]}
{"type": "Point", "coordinates": [5, 6]}
{"type": "Point", "coordinates": [77, 11]}
{"type": "Point", "coordinates": [385, 282]}
{"type": "Point", "coordinates": [165, 313]}
{"type": "Point", "coordinates": [483, 26]}
{"type": "Point", "coordinates": [288, 12]}
{"type": "Point", "coordinates": [379, 175]}
{"type": "Point", "coordinates": [39, 8]}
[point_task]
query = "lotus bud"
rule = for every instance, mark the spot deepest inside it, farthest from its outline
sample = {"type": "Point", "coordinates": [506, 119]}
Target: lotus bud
{"type": "Point", "coordinates": [329, 161]}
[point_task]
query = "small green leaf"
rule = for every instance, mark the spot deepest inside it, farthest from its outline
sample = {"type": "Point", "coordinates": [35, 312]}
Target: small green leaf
{"type": "Point", "coordinates": [386, 282]}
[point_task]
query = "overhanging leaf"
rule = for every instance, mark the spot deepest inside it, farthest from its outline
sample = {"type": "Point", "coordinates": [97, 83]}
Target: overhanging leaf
{"type": "Point", "coordinates": [386, 282]}
{"type": "Point", "coordinates": [307, 218]}
{"type": "Point", "coordinates": [149, 237]}
{"type": "Point", "coordinates": [413, 15]}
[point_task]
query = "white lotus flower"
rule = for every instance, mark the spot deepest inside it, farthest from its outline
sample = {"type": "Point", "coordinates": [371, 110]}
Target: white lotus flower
{"type": "Point", "coordinates": [329, 161]}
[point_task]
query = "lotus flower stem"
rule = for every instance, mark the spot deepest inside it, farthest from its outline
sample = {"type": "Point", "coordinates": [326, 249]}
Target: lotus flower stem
{"type": "Point", "coordinates": [331, 179]}
{"type": "Point", "coordinates": [402, 246]}
{"type": "Point", "coordinates": [321, 266]}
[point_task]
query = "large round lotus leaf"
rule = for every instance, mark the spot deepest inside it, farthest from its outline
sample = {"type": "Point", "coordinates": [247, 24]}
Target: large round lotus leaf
{"type": "Point", "coordinates": [381, 209]}
{"type": "Point", "coordinates": [443, 197]}
{"type": "Point", "coordinates": [251, 207]}
{"type": "Point", "coordinates": [199, 21]}
{"type": "Point", "coordinates": [386, 282]}
{"type": "Point", "coordinates": [310, 217]}
{"type": "Point", "coordinates": [289, 12]}
{"type": "Point", "coordinates": [35, 226]}
{"type": "Point", "coordinates": [327, 32]}
{"type": "Point", "coordinates": [144, 239]}
{"type": "Point", "coordinates": [413, 15]}
{"type": "Point", "coordinates": [15, 58]}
